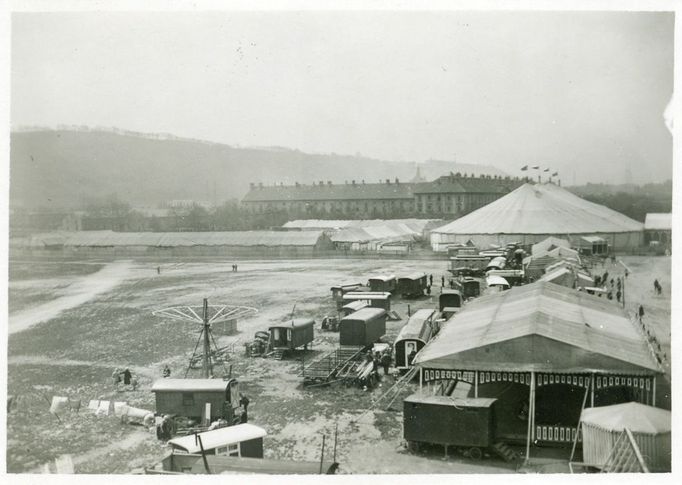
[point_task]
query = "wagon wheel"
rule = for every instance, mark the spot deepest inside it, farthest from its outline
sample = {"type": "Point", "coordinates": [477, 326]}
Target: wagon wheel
{"type": "Point", "coordinates": [475, 453]}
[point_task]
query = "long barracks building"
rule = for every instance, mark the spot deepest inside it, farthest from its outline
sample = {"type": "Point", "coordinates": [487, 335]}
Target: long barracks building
{"type": "Point", "coordinates": [451, 195]}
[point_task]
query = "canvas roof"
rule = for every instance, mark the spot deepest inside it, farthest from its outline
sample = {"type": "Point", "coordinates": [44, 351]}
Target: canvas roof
{"type": "Point", "coordinates": [219, 437]}
{"type": "Point", "coordinates": [548, 244]}
{"type": "Point", "coordinates": [658, 221]}
{"type": "Point", "coordinates": [542, 327]}
{"type": "Point", "coordinates": [175, 239]}
{"type": "Point", "coordinates": [414, 328]}
{"type": "Point", "coordinates": [637, 417]}
{"type": "Point", "coordinates": [386, 232]}
{"type": "Point", "coordinates": [541, 209]}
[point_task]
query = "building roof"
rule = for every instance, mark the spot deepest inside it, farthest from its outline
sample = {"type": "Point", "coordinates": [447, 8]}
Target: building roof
{"type": "Point", "coordinates": [357, 191]}
{"type": "Point", "coordinates": [175, 239]}
{"type": "Point", "coordinates": [541, 327]}
{"type": "Point", "coordinates": [637, 417]}
{"type": "Point", "coordinates": [196, 385]}
{"type": "Point", "coordinates": [658, 221]}
{"type": "Point", "coordinates": [461, 185]}
{"type": "Point", "coordinates": [412, 276]}
{"type": "Point", "coordinates": [541, 209]}
{"type": "Point", "coordinates": [415, 224]}
{"type": "Point", "coordinates": [219, 437]}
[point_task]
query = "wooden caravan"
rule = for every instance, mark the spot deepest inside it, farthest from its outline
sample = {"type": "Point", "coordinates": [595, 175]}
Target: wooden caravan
{"type": "Point", "coordinates": [375, 299]}
{"type": "Point", "coordinates": [362, 328]}
{"type": "Point", "coordinates": [290, 335]}
{"type": "Point", "coordinates": [471, 288]}
{"type": "Point", "coordinates": [383, 283]}
{"type": "Point", "coordinates": [240, 440]}
{"type": "Point", "coordinates": [340, 290]}
{"type": "Point", "coordinates": [412, 285]}
{"type": "Point", "coordinates": [353, 307]}
{"type": "Point", "coordinates": [463, 423]}
{"type": "Point", "coordinates": [190, 397]}
{"type": "Point", "coordinates": [449, 299]}
{"type": "Point", "coordinates": [413, 336]}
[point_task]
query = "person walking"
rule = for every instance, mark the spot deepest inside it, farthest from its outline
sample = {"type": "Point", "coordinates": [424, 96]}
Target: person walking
{"type": "Point", "coordinates": [442, 281]}
{"type": "Point", "coordinates": [430, 280]}
{"type": "Point", "coordinates": [641, 312]}
{"type": "Point", "coordinates": [618, 295]}
{"type": "Point", "coordinates": [126, 377]}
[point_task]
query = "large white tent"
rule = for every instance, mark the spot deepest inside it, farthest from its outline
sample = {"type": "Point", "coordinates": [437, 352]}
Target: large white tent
{"type": "Point", "coordinates": [532, 213]}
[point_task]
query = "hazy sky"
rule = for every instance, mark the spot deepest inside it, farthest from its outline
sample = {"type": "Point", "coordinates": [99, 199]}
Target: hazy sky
{"type": "Point", "coordinates": [582, 93]}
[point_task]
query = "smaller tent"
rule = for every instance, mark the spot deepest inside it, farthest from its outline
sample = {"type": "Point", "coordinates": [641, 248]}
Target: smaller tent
{"type": "Point", "coordinates": [568, 277]}
{"type": "Point", "coordinates": [650, 427]}
{"type": "Point", "coordinates": [548, 244]}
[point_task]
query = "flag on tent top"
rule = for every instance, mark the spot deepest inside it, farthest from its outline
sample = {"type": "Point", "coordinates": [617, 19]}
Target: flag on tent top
{"type": "Point", "coordinates": [546, 170]}
{"type": "Point", "coordinates": [524, 168]}
{"type": "Point", "coordinates": [536, 167]}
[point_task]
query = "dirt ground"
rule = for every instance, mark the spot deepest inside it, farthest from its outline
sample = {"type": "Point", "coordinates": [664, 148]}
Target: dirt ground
{"type": "Point", "coordinates": [72, 323]}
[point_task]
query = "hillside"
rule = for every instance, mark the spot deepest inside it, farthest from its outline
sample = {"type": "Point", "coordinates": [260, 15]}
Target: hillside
{"type": "Point", "coordinates": [66, 167]}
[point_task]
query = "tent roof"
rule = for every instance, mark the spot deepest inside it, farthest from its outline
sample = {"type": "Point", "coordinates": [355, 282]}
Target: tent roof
{"type": "Point", "coordinates": [541, 209]}
{"type": "Point", "coordinates": [657, 221]}
{"type": "Point", "coordinates": [388, 231]}
{"type": "Point", "coordinates": [548, 244]}
{"type": "Point", "coordinates": [416, 224]}
{"type": "Point", "coordinates": [175, 239]}
{"type": "Point", "coordinates": [637, 417]}
{"type": "Point", "coordinates": [542, 327]}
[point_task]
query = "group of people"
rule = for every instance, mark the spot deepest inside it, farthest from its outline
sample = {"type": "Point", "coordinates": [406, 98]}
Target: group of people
{"type": "Point", "coordinates": [234, 268]}
{"type": "Point", "coordinates": [657, 287]}
{"type": "Point", "coordinates": [124, 377]}
{"type": "Point", "coordinates": [379, 359]}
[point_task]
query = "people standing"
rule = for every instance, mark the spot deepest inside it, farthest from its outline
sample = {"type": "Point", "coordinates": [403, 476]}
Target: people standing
{"type": "Point", "coordinates": [386, 362]}
{"type": "Point", "coordinates": [126, 377]}
{"type": "Point", "coordinates": [641, 312]}
{"type": "Point", "coordinates": [166, 371]}
{"type": "Point", "coordinates": [442, 281]}
{"type": "Point", "coordinates": [430, 280]}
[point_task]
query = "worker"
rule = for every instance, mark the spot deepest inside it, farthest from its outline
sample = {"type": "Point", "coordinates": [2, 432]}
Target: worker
{"type": "Point", "coordinates": [430, 280]}
{"type": "Point", "coordinates": [158, 270]}
{"type": "Point", "coordinates": [641, 312]}
{"type": "Point", "coordinates": [116, 377]}
{"type": "Point", "coordinates": [166, 371]}
{"type": "Point", "coordinates": [442, 281]}
{"type": "Point", "coordinates": [244, 403]}
{"type": "Point", "coordinates": [618, 295]}
{"type": "Point", "coordinates": [126, 377]}
{"type": "Point", "coordinates": [386, 362]}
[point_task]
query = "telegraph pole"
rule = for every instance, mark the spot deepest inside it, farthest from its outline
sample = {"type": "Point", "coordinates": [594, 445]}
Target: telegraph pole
{"type": "Point", "coordinates": [207, 342]}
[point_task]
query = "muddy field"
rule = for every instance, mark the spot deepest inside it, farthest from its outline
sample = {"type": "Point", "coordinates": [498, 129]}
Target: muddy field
{"type": "Point", "coordinates": [71, 324]}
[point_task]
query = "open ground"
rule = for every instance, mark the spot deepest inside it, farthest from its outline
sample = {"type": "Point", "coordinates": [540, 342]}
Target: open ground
{"type": "Point", "coordinates": [72, 323]}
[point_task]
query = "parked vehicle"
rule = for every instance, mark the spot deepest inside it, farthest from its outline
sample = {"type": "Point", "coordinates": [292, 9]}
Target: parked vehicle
{"type": "Point", "coordinates": [362, 328]}
{"type": "Point", "coordinates": [412, 285]}
{"type": "Point", "coordinates": [449, 298]}
{"type": "Point", "coordinates": [353, 307]}
{"type": "Point", "coordinates": [298, 332]}
{"type": "Point", "coordinates": [418, 330]}
{"type": "Point", "coordinates": [240, 440]}
{"type": "Point", "coordinates": [383, 283]}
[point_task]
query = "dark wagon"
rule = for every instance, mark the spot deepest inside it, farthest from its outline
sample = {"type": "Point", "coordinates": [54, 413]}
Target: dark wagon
{"type": "Point", "coordinates": [461, 423]}
{"type": "Point", "coordinates": [362, 328]}
{"type": "Point", "coordinates": [189, 398]}
{"type": "Point", "coordinates": [412, 285]}
{"type": "Point", "coordinates": [413, 336]}
{"type": "Point", "coordinates": [449, 299]}
{"type": "Point", "coordinates": [383, 283]}
{"type": "Point", "coordinates": [298, 332]}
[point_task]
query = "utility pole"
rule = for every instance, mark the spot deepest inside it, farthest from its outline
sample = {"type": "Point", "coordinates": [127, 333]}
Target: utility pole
{"type": "Point", "coordinates": [207, 342]}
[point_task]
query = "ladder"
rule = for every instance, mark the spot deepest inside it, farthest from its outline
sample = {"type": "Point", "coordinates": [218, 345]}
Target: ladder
{"type": "Point", "coordinates": [393, 392]}
{"type": "Point", "coordinates": [503, 450]}
{"type": "Point", "coordinates": [625, 456]}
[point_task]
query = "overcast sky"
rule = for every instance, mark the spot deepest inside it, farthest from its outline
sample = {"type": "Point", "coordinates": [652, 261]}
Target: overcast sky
{"type": "Point", "coordinates": [581, 93]}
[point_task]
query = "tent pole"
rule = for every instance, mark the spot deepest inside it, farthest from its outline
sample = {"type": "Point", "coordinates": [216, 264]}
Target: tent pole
{"type": "Point", "coordinates": [580, 420]}
{"type": "Point", "coordinates": [592, 391]}
{"type": "Point", "coordinates": [476, 384]}
{"type": "Point", "coordinates": [421, 372]}
{"type": "Point", "coordinates": [653, 393]}
{"type": "Point", "coordinates": [531, 411]}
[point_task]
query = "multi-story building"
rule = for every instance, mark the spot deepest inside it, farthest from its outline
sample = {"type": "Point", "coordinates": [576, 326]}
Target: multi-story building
{"type": "Point", "coordinates": [451, 195]}
{"type": "Point", "coordinates": [457, 194]}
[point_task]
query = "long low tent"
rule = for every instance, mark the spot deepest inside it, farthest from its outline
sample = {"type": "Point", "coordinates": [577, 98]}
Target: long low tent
{"type": "Point", "coordinates": [546, 348]}
{"type": "Point", "coordinates": [323, 224]}
{"type": "Point", "coordinates": [534, 212]}
{"type": "Point", "coordinates": [229, 242]}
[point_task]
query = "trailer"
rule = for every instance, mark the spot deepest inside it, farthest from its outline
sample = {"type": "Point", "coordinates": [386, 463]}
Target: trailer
{"type": "Point", "coordinates": [340, 290]}
{"type": "Point", "coordinates": [326, 368]}
{"type": "Point", "coordinates": [418, 330]}
{"type": "Point", "coordinates": [299, 332]}
{"type": "Point", "coordinates": [469, 264]}
{"type": "Point", "coordinates": [449, 299]}
{"type": "Point", "coordinates": [362, 328]}
{"type": "Point", "coordinates": [353, 307]}
{"type": "Point", "coordinates": [467, 424]}
{"type": "Point", "coordinates": [412, 285]}
{"type": "Point", "coordinates": [375, 299]}
{"type": "Point", "coordinates": [383, 283]}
